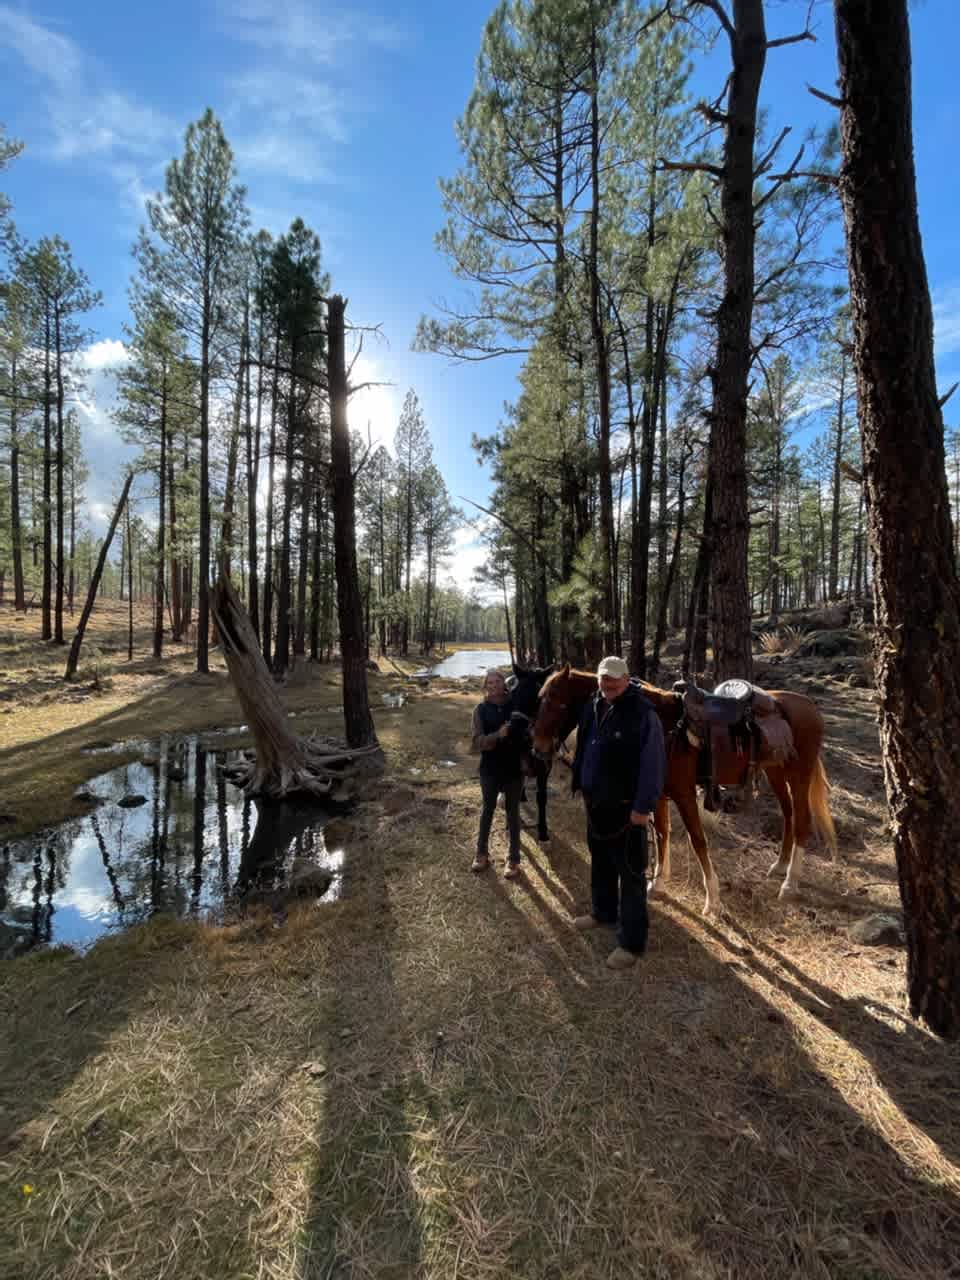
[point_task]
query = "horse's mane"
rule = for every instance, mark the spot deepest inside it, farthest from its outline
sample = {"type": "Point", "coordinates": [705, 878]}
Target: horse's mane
{"type": "Point", "coordinates": [662, 699]}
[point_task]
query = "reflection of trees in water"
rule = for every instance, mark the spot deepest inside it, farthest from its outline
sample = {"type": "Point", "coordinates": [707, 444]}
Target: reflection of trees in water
{"type": "Point", "coordinates": [199, 816]}
{"type": "Point", "coordinates": [153, 857]}
{"type": "Point", "coordinates": [44, 879]}
{"type": "Point", "coordinates": [283, 831]}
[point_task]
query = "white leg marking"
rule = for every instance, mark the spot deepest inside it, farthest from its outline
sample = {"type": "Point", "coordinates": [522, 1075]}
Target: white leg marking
{"type": "Point", "coordinates": [791, 886]}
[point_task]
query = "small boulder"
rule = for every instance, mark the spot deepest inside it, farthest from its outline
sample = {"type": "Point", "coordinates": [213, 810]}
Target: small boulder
{"type": "Point", "coordinates": [176, 774]}
{"type": "Point", "coordinates": [132, 801]}
{"type": "Point", "coordinates": [885, 929]}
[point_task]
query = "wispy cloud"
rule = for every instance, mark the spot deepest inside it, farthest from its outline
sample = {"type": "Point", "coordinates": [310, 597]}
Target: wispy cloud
{"type": "Point", "coordinates": [946, 320]}
{"type": "Point", "coordinates": [301, 91]}
{"type": "Point", "coordinates": [86, 118]}
{"type": "Point", "coordinates": [303, 29]}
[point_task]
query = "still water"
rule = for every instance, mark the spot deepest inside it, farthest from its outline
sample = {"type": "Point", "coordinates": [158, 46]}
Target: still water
{"type": "Point", "coordinates": [469, 662]}
{"type": "Point", "coordinates": [191, 846]}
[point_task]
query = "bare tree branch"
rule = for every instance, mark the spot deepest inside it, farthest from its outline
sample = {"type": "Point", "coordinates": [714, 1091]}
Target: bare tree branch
{"type": "Point", "coordinates": [946, 396]}
{"type": "Point", "coordinates": [826, 97]}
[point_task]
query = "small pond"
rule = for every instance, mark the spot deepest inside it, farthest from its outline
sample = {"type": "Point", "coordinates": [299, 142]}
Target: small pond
{"type": "Point", "coordinates": [467, 662]}
{"type": "Point", "coordinates": [191, 844]}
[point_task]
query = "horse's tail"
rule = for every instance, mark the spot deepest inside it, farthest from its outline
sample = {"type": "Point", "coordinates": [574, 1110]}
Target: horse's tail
{"type": "Point", "coordinates": [817, 796]}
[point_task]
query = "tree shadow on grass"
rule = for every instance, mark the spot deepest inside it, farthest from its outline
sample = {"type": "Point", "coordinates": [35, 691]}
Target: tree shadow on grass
{"type": "Point", "coordinates": [365, 1213]}
{"type": "Point", "coordinates": [919, 1072]}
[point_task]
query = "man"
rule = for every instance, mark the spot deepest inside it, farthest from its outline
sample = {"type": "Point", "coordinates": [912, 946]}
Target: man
{"type": "Point", "coordinates": [501, 755]}
{"type": "Point", "coordinates": [620, 765]}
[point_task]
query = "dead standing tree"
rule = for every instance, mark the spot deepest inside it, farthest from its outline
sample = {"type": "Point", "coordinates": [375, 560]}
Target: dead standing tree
{"type": "Point", "coordinates": [353, 655]}
{"type": "Point", "coordinates": [735, 113]}
{"type": "Point", "coordinates": [285, 763]}
{"type": "Point", "coordinates": [74, 655]}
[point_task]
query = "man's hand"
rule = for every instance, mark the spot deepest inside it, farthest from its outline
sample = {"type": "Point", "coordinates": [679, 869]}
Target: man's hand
{"type": "Point", "coordinates": [503, 730]}
{"type": "Point", "coordinates": [638, 819]}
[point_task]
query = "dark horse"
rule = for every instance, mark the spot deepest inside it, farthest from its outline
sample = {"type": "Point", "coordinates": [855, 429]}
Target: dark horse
{"type": "Point", "coordinates": [525, 689]}
{"type": "Point", "coordinates": [800, 784]}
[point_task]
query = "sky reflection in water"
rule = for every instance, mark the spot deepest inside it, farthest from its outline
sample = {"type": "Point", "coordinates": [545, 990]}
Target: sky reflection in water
{"type": "Point", "coordinates": [195, 844]}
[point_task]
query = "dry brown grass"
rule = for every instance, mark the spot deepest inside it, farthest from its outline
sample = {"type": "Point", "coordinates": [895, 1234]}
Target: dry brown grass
{"type": "Point", "coordinates": [785, 640]}
{"type": "Point", "coordinates": [437, 1077]}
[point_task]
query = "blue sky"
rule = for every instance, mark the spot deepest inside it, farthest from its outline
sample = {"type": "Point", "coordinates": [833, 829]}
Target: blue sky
{"type": "Point", "coordinates": [345, 117]}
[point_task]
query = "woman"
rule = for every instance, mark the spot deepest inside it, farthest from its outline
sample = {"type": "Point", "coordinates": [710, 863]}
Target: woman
{"type": "Point", "coordinates": [500, 770]}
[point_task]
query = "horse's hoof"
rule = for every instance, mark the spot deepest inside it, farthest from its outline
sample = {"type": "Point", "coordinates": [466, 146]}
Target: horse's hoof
{"type": "Point", "coordinates": [787, 891]}
{"type": "Point", "coordinates": [543, 842]}
{"type": "Point", "coordinates": [778, 869]}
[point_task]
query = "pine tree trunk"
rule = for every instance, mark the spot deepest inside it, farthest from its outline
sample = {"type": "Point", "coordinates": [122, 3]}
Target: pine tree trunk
{"type": "Point", "coordinates": [300, 630]}
{"type": "Point", "coordinates": [74, 655]}
{"type": "Point", "coordinates": [46, 597]}
{"type": "Point", "coordinates": [602, 360]}
{"type": "Point", "coordinates": [315, 580]}
{"type": "Point", "coordinates": [356, 706]}
{"type": "Point", "coordinates": [834, 580]}
{"type": "Point", "coordinates": [130, 588]}
{"type": "Point", "coordinates": [16, 532]}
{"type": "Point", "coordinates": [916, 591]}
{"type": "Point", "coordinates": [203, 577]}
{"type": "Point", "coordinates": [666, 586]}
{"type": "Point", "coordinates": [176, 573]}
{"type": "Point", "coordinates": [253, 475]}
{"type": "Point", "coordinates": [61, 576]}
{"type": "Point", "coordinates": [729, 598]}
{"type": "Point", "coordinates": [281, 653]}
{"type": "Point", "coordinates": [71, 581]}
{"type": "Point", "coordinates": [233, 456]}
{"type": "Point", "coordinates": [266, 631]}
{"type": "Point", "coordinates": [161, 522]}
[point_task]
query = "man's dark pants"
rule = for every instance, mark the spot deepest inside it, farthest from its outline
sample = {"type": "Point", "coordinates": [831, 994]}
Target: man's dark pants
{"type": "Point", "coordinates": [618, 874]}
{"type": "Point", "coordinates": [490, 788]}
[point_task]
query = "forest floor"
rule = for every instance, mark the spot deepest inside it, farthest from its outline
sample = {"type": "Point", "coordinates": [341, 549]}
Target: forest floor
{"type": "Point", "coordinates": [435, 1076]}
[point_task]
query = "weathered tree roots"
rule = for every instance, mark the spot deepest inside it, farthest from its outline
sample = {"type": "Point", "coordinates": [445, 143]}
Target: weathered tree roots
{"type": "Point", "coordinates": [320, 767]}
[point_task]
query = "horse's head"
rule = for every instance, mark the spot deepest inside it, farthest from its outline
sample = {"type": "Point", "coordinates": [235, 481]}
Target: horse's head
{"type": "Point", "coordinates": [525, 688]}
{"type": "Point", "coordinates": [554, 716]}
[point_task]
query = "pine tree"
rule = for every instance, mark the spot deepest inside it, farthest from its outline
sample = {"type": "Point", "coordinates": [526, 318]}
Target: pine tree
{"type": "Point", "coordinates": [191, 260]}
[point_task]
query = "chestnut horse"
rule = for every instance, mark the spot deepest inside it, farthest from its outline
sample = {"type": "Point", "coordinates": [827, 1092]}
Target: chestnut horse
{"type": "Point", "coordinates": [800, 784]}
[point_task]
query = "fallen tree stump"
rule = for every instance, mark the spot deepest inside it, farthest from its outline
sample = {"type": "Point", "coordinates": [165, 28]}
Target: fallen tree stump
{"type": "Point", "coordinates": [282, 763]}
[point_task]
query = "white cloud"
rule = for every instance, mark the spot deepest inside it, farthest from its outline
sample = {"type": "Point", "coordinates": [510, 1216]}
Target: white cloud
{"type": "Point", "coordinates": [85, 118]}
{"type": "Point", "coordinates": [107, 353]}
{"type": "Point", "coordinates": [105, 452]}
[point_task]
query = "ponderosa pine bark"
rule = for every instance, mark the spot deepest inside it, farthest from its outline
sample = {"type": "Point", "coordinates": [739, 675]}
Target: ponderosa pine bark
{"type": "Point", "coordinates": [916, 591]}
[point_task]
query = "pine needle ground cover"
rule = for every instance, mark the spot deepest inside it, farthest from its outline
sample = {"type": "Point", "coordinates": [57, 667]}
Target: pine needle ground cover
{"type": "Point", "coordinates": [436, 1077]}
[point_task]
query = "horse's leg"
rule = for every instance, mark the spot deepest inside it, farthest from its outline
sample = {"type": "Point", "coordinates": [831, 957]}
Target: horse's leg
{"type": "Point", "coordinates": [661, 824]}
{"type": "Point", "coordinates": [778, 781]}
{"type": "Point", "coordinates": [799, 782]}
{"type": "Point", "coordinates": [686, 802]}
{"type": "Point", "coordinates": [543, 834]}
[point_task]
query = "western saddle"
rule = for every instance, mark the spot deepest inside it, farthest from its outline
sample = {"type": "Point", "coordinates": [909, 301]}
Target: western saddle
{"type": "Point", "coordinates": [736, 728]}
